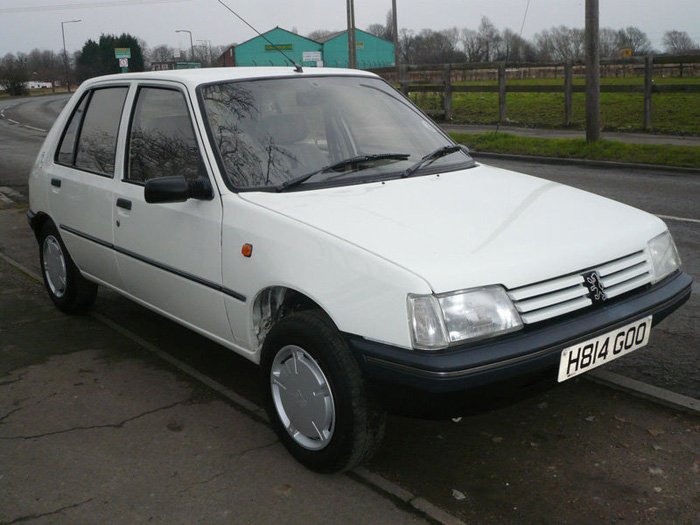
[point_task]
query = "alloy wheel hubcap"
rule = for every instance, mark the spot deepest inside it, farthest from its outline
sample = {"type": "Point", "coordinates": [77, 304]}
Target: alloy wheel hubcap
{"type": "Point", "coordinates": [54, 266]}
{"type": "Point", "coordinates": [302, 397]}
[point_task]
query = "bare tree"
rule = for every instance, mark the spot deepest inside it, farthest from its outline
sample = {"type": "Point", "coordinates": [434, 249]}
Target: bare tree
{"type": "Point", "coordinates": [609, 43]}
{"type": "Point", "coordinates": [437, 47]}
{"type": "Point", "coordinates": [407, 45]}
{"type": "Point", "coordinates": [44, 65]}
{"type": "Point", "coordinates": [377, 30]}
{"type": "Point", "coordinates": [471, 45]}
{"type": "Point", "coordinates": [515, 48]}
{"type": "Point", "coordinates": [634, 39]}
{"type": "Point", "coordinates": [678, 43]}
{"type": "Point", "coordinates": [318, 34]}
{"type": "Point", "coordinates": [13, 74]}
{"type": "Point", "coordinates": [489, 39]}
{"type": "Point", "coordinates": [161, 53]}
{"type": "Point", "coordinates": [560, 44]}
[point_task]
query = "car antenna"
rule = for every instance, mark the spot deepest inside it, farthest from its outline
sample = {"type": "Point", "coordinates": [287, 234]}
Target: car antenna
{"type": "Point", "coordinates": [297, 67]}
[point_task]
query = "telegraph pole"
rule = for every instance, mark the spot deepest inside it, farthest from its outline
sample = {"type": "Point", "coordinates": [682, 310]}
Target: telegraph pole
{"type": "Point", "coordinates": [65, 54]}
{"type": "Point", "coordinates": [352, 49]}
{"type": "Point", "coordinates": [592, 72]}
{"type": "Point", "coordinates": [395, 34]}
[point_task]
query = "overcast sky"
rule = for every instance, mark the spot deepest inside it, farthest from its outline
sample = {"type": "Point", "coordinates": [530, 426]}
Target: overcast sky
{"type": "Point", "coordinates": [26, 24]}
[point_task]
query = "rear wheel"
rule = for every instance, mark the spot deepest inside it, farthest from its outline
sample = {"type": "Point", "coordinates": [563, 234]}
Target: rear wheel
{"type": "Point", "coordinates": [68, 289]}
{"type": "Point", "coordinates": [315, 395]}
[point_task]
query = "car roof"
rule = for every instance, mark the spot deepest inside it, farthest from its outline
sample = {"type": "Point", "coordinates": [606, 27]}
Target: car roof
{"type": "Point", "coordinates": [195, 77]}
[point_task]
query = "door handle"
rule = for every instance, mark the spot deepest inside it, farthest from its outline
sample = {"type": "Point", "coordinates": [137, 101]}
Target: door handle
{"type": "Point", "coordinates": [56, 183]}
{"type": "Point", "coordinates": [124, 203]}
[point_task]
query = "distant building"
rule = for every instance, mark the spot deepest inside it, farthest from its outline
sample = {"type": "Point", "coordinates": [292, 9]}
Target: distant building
{"type": "Point", "coordinates": [163, 66]}
{"type": "Point", "coordinates": [330, 51]}
{"type": "Point", "coordinates": [35, 84]}
{"type": "Point", "coordinates": [174, 64]}
{"type": "Point", "coordinates": [227, 58]}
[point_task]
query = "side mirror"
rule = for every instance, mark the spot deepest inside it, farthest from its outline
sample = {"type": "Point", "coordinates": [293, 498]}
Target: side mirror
{"type": "Point", "coordinates": [177, 189]}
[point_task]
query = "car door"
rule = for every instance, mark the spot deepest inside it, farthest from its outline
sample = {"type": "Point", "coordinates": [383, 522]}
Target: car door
{"type": "Point", "coordinates": [81, 179]}
{"type": "Point", "coordinates": [169, 255]}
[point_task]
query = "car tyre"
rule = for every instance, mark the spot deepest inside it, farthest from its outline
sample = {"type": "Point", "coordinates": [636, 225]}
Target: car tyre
{"type": "Point", "coordinates": [315, 395]}
{"type": "Point", "coordinates": [68, 289]}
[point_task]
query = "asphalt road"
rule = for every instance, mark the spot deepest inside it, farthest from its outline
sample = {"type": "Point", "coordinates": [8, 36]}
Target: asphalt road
{"type": "Point", "coordinates": [580, 453]}
{"type": "Point", "coordinates": [672, 359]}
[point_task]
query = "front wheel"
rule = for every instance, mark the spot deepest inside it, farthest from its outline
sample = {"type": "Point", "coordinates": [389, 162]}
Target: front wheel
{"type": "Point", "coordinates": [68, 289]}
{"type": "Point", "coordinates": [315, 395]}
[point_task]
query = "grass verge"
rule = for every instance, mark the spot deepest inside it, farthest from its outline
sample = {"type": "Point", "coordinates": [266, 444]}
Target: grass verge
{"type": "Point", "coordinates": [606, 150]}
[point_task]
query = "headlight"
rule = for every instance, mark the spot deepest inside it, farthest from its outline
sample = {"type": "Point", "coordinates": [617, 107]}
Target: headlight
{"type": "Point", "coordinates": [438, 321]}
{"type": "Point", "coordinates": [664, 256]}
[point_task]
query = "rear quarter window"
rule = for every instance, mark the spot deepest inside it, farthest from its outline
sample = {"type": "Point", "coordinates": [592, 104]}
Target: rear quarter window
{"type": "Point", "coordinates": [89, 142]}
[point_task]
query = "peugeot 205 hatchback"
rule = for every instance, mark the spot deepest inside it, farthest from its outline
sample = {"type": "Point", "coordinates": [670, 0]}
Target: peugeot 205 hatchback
{"type": "Point", "coordinates": [322, 226]}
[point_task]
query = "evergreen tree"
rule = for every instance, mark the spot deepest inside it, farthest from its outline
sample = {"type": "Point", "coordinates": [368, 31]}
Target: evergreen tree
{"type": "Point", "coordinates": [97, 58]}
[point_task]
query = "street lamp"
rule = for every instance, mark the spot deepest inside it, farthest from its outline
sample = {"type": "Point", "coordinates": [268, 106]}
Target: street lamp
{"type": "Point", "coordinates": [191, 45]}
{"type": "Point", "coordinates": [65, 55]}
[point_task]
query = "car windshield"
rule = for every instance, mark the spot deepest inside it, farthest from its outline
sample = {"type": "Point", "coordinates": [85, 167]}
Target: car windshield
{"type": "Point", "coordinates": [305, 131]}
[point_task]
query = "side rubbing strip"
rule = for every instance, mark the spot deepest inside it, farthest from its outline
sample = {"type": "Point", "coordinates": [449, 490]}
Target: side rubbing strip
{"type": "Point", "coordinates": [160, 266]}
{"type": "Point", "coordinates": [86, 236]}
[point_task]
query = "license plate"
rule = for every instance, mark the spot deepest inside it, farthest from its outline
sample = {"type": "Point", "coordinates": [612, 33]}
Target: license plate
{"type": "Point", "coordinates": [591, 354]}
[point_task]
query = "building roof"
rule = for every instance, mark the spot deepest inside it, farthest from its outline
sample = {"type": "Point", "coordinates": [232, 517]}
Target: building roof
{"type": "Point", "coordinates": [270, 31]}
{"type": "Point", "coordinates": [327, 38]}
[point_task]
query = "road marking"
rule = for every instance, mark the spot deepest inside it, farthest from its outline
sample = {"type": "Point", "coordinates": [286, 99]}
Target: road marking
{"type": "Point", "coordinates": [2, 115]}
{"type": "Point", "coordinates": [632, 386]}
{"type": "Point", "coordinates": [680, 219]}
{"type": "Point", "coordinates": [4, 199]}
{"type": "Point", "coordinates": [9, 192]}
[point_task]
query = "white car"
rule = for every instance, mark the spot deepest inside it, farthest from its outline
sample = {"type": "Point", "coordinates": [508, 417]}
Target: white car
{"type": "Point", "coordinates": [321, 225]}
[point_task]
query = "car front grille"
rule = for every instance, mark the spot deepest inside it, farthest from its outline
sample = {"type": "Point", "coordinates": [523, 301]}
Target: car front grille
{"type": "Point", "coordinates": [561, 295]}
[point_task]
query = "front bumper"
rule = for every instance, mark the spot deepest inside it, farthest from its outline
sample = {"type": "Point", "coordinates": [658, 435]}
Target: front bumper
{"type": "Point", "coordinates": [495, 370]}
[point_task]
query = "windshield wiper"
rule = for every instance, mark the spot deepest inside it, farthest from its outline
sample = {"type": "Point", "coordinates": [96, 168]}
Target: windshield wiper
{"type": "Point", "coordinates": [433, 155]}
{"type": "Point", "coordinates": [360, 159]}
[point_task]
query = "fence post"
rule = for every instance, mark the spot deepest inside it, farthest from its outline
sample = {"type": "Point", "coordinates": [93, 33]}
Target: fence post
{"type": "Point", "coordinates": [502, 92]}
{"type": "Point", "coordinates": [568, 93]}
{"type": "Point", "coordinates": [447, 96]}
{"type": "Point", "coordinates": [648, 79]}
{"type": "Point", "coordinates": [403, 79]}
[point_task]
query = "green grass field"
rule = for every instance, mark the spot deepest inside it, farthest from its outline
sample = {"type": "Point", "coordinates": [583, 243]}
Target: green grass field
{"type": "Point", "coordinates": [672, 113]}
{"type": "Point", "coordinates": [661, 155]}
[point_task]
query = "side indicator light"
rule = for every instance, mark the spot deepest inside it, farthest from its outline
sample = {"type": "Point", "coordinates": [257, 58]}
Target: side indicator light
{"type": "Point", "coordinates": [247, 250]}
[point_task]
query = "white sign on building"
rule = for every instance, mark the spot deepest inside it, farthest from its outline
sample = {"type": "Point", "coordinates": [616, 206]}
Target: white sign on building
{"type": "Point", "coordinates": [311, 56]}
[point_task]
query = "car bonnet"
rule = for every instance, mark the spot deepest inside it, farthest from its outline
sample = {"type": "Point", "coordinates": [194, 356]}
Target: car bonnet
{"type": "Point", "coordinates": [473, 227]}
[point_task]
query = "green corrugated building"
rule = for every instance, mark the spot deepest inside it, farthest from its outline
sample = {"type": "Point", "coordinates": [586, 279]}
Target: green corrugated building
{"type": "Point", "coordinates": [331, 51]}
{"type": "Point", "coordinates": [259, 52]}
{"type": "Point", "coordinates": [372, 51]}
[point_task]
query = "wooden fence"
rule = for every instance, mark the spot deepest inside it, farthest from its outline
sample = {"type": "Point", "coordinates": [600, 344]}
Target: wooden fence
{"type": "Point", "coordinates": [440, 79]}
